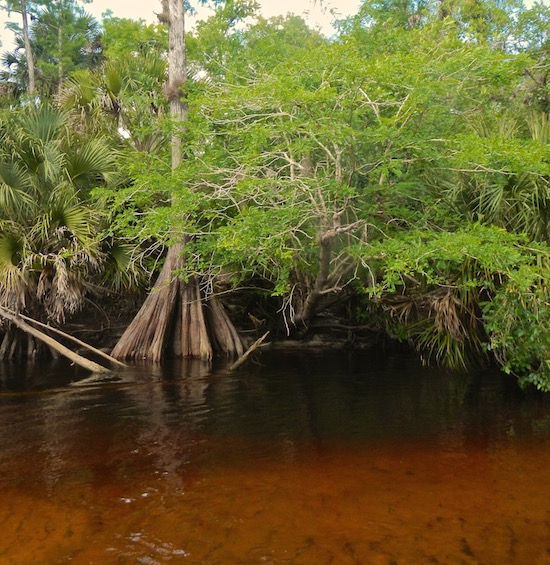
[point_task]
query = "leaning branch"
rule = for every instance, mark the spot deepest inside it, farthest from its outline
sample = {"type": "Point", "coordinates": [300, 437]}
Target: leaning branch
{"type": "Point", "coordinates": [55, 345]}
{"type": "Point", "coordinates": [75, 340]}
{"type": "Point", "coordinates": [245, 355]}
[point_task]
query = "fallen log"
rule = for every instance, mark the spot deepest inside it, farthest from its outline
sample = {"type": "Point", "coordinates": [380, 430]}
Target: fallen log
{"type": "Point", "coordinates": [55, 345]}
{"type": "Point", "coordinates": [245, 355]}
{"type": "Point", "coordinates": [75, 340]}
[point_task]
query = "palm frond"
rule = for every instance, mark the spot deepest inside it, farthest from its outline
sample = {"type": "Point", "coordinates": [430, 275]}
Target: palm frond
{"type": "Point", "coordinates": [40, 230]}
{"type": "Point", "coordinates": [119, 269]}
{"type": "Point", "coordinates": [15, 190]}
{"type": "Point", "coordinates": [113, 75]}
{"type": "Point", "coordinates": [93, 163]}
{"type": "Point", "coordinates": [44, 122]}
{"type": "Point", "coordinates": [65, 291]}
{"type": "Point", "coordinates": [50, 167]}
{"type": "Point", "coordinates": [78, 91]}
{"type": "Point", "coordinates": [490, 201]}
{"type": "Point", "coordinates": [13, 286]}
{"type": "Point", "coordinates": [76, 219]}
{"type": "Point", "coordinates": [504, 126]}
{"type": "Point", "coordinates": [539, 126]}
{"type": "Point", "coordinates": [66, 218]}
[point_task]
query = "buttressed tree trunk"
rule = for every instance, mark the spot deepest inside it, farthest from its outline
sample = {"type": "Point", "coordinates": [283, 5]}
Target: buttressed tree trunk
{"type": "Point", "coordinates": [175, 320]}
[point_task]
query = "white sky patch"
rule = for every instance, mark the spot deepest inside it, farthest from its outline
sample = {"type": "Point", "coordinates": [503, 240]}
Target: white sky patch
{"type": "Point", "coordinates": [318, 13]}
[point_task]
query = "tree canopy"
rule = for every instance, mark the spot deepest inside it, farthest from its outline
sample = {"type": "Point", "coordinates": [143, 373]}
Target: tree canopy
{"type": "Point", "coordinates": [399, 170]}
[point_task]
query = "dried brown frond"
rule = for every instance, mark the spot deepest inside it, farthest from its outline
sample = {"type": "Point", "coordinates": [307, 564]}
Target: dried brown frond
{"type": "Point", "coordinates": [60, 290]}
{"type": "Point", "coordinates": [13, 291]}
{"type": "Point", "coordinates": [164, 16]}
{"type": "Point", "coordinates": [401, 307]}
{"type": "Point", "coordinates": [446, 310]}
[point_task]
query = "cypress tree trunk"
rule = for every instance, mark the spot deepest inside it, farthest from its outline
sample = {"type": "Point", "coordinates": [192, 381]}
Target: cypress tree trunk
{"type": "Point", "coordinates": [147, 336]}
{"type": "Point", "coordinates": [177, 72]}
{"type": "Point", "coordinates": [175, 319]}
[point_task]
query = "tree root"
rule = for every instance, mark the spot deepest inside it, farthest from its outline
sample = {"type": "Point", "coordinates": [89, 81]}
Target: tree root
{"type": "Point", "coordinates": [173, 321]}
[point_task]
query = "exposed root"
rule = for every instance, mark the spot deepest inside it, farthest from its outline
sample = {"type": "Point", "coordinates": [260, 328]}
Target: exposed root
{"type": "Point", "coordinates": [172, 321]}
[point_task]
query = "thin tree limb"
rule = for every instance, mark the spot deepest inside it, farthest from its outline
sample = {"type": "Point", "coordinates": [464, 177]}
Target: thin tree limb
{"type": "Point", "coordinates": [245, 355]}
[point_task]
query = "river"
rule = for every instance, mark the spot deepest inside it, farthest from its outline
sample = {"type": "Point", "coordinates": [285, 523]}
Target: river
{"type": "Point", "coordinates": [303, 459]}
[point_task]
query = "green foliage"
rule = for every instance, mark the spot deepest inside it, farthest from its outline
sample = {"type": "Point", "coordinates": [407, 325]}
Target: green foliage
{"type": "Point", "coordinates": [534, 28]}
{"type": "Point", "coordinates": [336, 135]}
{"type": "Point", "coordinates": [49, 231]}
{"type": "Point", "coordinates": [123, 37]}
{"type": "Point", "coordinates": [218, 39]}
{"type": "Point", "coordinates": [64, 39]}
{"type": "Point", "coordinates": [500, 175]}
{"type": "Point", "coordinates": [517, 321]}
{"type": "Point", "coordinates": [470, 257]}
{"type": "Point", "coordinates": [372, 161]}
{"type": "Point", "coordinates": [454, 295]}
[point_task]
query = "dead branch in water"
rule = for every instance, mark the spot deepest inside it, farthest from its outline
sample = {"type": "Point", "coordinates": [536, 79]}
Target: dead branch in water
{"type": "Point", "coordinates": [74, 339]}
{"type": "Point", "coordinates": [55, 345]}
{"type": "Point", "coordinates": [244, 357]}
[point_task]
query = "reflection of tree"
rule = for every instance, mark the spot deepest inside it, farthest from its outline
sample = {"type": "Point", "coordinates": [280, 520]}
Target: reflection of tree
{"type": "Point", "coordinates": [59, 432]}
{"type": "Point", "coordinates": [172, 411]}
{"type": "Point", "coordinates": [166, 431]}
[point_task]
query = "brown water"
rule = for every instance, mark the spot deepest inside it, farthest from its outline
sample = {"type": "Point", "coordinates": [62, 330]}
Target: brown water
{"type": "Point", "coordinates": [327, 460]}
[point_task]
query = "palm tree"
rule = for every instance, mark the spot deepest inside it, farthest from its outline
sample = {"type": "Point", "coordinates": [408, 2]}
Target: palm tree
{"type": "Point", "coordinates": [60, 40]}
{"type": "Point", "coordinates": [49, 249]}
{"type": "Point", "coordinates": [518, 200]}
{"type": "Point", "coordinates": [125, 99]}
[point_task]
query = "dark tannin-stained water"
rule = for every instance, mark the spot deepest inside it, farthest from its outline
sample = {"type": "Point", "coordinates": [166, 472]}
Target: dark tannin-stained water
{"type": "Point", "coordinates": [304, 459]}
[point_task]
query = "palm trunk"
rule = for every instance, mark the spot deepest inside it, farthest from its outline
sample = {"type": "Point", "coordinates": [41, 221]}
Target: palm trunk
{"type": "Point", "coordinates": [60, 45]}
{"type": "Point", "coordinates": [28, 50]}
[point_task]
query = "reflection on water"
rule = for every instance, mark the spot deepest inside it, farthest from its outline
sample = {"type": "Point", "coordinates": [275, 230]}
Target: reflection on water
{"type": "Point", "coordinates": [305, 459]}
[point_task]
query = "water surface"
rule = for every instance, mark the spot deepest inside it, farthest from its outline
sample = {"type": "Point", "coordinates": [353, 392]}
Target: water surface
{"type": "Point", "coordinates": [304, 459]}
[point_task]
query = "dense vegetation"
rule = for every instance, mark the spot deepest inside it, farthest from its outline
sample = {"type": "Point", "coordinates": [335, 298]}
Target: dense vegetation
{"type": "Point", "coordinates": [400, 169]}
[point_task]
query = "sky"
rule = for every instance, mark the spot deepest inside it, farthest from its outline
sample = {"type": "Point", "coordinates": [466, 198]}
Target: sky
{"type": "Point", "coordinates": [317, 13]}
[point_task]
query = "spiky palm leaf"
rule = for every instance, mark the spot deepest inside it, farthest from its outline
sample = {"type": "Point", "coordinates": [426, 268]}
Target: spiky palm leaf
{"type": "Point", "coordinates": [13, 278]}
{"type": "Point", "coordinates": [92, 163]}
{"type": "Point", "coordinates": [539, 126]}
{"type": "Point", "coordinates": [48, 231]}
{"type": "Point", "coordinates": [48, 165]}
{"type": "Point", "coordinates": [15, 190]}
{"type": "Point", "coordinates": [44, 123]}
{"type": "Point", "coordinates": [113, 74]}
{"type": "Point", "coordinates": [512, 196]}
{"type": "Point", "coordinates": [120, 270]}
